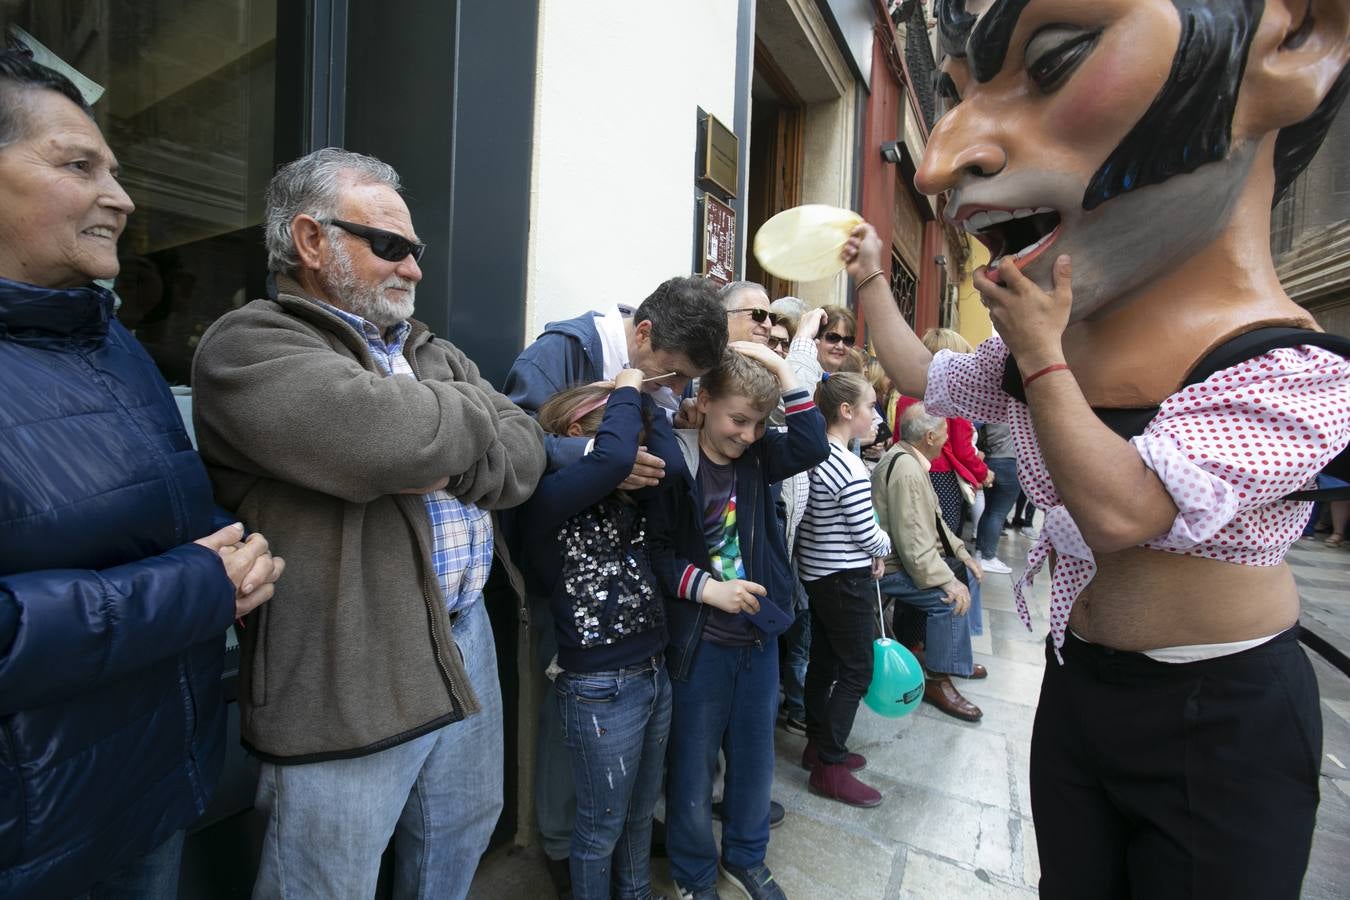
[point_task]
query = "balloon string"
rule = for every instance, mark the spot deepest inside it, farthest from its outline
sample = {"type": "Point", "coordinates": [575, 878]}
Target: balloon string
{"type": "Point", "coordinates": [880, 612]}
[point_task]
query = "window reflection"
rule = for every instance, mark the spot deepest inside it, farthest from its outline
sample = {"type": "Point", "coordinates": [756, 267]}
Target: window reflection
{"type": "Point", "coordinates": [189, 111]}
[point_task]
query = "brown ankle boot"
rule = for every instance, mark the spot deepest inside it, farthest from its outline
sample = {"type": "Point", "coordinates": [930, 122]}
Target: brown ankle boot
{"type": "Point", "coordinates": [835, 781]}
{"type": "Point", "coordinates": [939, 691]}
{"type": "Point", "coordinates": [856, 762]}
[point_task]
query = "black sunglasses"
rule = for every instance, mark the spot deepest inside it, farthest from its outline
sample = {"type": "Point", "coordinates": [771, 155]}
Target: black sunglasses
{"type": "Point", "coordinates": [759, 314]}
{"type": "Point", "coordinates": [384, 244]}
{"type": "Point", "coordinates": [834, 337]}
{"type": "Point", "coordinates": [776, 343]}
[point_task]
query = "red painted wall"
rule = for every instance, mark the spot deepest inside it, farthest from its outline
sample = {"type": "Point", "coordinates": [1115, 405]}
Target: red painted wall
{"type": "Point", "coordinates": [879, 176]}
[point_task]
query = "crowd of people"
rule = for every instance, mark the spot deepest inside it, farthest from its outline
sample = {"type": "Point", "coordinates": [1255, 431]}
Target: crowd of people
{"type": "Point", "coordinates": [673, 490]}
{"type": "Point", "coordinates": [692, 506]}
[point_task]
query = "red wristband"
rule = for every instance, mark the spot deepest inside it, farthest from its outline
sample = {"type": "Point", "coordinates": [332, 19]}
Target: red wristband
{"type": "Point", "coordinates": [1046, 371]}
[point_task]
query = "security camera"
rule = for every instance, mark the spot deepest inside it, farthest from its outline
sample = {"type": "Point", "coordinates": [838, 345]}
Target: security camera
{"type": "Point", "coordinates": [890, 151]}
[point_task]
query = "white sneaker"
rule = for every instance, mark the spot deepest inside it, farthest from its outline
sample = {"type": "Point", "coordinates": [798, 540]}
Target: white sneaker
{"type": "Point", "coordinates": [995, 565]}
{"type": "Point", "coordinates": [1028, 532]}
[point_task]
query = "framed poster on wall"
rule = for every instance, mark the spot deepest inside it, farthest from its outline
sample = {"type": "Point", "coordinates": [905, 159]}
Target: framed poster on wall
{"type": "Point", "coordinates": [719, 240]}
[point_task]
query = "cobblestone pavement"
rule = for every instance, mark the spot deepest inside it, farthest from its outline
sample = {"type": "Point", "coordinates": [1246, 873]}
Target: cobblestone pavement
{"type": "Point", "coordinates": [956, 819]}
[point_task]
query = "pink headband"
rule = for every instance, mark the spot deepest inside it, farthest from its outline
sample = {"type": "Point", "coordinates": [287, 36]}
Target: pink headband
{"type": "Point", "coordinates": [587, 408]}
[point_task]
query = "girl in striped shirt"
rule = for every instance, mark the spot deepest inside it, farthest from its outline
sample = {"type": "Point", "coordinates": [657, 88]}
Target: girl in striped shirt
{"type": "Point", "coordinates": [840, 549]}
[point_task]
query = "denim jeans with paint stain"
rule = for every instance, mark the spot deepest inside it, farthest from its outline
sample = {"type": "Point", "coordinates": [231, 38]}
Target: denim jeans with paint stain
{"type": "Point", "coordinates": [615, 726]}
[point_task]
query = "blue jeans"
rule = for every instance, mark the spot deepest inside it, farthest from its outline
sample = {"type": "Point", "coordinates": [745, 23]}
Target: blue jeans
{"type": "Point", "coordinates": [152, 877]}
{"type": "Point", "coordinates": [795, 649]}
{"type": "Point", "coordinates": [438, 796]}
{"type": "Point", "coordinates": [946, 636]}
{"type": "Point", "coordinates": [615, 726]}
{"type": "Point", "coordinates": [998, 500]}
{"type": "Point", "coordinates": [727, 703]}
{"type": "Point", "coordinates": [555, 800]}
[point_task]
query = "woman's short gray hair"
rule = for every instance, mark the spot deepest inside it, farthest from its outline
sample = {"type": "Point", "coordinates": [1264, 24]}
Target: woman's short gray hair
{"type": "Point", "coordinates": [915, 422]}
{"type": "Point", "coordinates": [311, 186]}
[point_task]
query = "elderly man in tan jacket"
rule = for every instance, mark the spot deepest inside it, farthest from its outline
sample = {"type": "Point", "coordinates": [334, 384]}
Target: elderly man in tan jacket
{"type": "Point", "coordinates": [372, 451]}
{"type": "Point", "coordinates": [930, 569]}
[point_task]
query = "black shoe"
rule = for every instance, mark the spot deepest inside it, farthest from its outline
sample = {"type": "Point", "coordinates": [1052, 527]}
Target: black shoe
{"type": "Point", "coordinates": [794, 726]}
{"type": "Point", "coordinates": [776, 813]}
{"type": "Point", "coordinates": [560, 873]}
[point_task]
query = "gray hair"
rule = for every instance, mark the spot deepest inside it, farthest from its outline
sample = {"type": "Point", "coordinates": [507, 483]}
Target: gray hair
{"type": "Point", "coordinates": [727, 293]}
{"type": "Point", "coordinates": [915, 422]}
{"type": "Point", "coordinates": [788, 306]}
{"type": "Point", "coordinates": [311, 185]}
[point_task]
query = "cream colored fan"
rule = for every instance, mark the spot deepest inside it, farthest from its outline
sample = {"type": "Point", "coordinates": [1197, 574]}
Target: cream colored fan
{"type": "Point", "coordinates": [804, 243]}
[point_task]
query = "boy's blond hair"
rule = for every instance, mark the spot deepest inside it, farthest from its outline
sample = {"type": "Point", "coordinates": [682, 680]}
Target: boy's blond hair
{"type": "Point", "coordinates": [740, 376]}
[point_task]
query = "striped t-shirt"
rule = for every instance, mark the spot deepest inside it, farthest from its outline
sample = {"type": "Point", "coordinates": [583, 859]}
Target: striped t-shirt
{"type": "Point", "coordinates": [839, 530]}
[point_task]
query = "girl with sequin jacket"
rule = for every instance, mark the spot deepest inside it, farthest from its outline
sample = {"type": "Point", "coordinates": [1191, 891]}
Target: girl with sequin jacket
{"type": "Point", "coordinates": [587, 553]}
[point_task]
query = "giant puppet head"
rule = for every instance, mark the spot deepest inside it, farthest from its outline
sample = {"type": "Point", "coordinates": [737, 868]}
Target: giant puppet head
{"type": "Point", "coordinates": [1130, 134]}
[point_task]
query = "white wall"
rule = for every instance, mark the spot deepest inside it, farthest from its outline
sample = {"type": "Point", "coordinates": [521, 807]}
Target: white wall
{"type": "Point", "coordinates": [618, 87]}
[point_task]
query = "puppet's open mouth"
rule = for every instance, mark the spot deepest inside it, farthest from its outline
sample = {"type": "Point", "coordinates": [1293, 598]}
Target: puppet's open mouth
{"type": "Point", "coordinates": [1021, 234]}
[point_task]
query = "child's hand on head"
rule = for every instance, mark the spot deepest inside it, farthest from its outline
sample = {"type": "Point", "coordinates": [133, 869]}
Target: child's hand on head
{"type": "Point", "coordinates": [757, 352]}
{"type": "Point", "coordinates": [761, 354]}
{"type": "Point", "coordinates": [733, 596]}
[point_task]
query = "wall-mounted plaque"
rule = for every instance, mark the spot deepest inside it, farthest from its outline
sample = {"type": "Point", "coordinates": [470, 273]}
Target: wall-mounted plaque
{"type": "Point", "coordinates": [719, 240]}
{"type": "Point", "coordinates": [719, 155]}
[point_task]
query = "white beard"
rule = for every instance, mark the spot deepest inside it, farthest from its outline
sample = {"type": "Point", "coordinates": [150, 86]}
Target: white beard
{"type": "Point", "coordinates": [371, 302]}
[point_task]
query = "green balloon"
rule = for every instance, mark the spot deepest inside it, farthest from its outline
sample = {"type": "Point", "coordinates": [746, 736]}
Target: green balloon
{"type": "Point", "coordinates": [897, 680]}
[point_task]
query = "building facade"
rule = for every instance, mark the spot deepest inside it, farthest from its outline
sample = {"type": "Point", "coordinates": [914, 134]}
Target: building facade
{"type": "Point", "coordinates": [556, 157]}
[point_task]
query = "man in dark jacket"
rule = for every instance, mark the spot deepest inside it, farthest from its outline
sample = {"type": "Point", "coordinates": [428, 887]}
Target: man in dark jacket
{"type": "Point", "coordinates": [676, 334]}
{"type": "Point", "coordinates": [374, 451]}
{"type": "Point", "coordinates": [113, 598]}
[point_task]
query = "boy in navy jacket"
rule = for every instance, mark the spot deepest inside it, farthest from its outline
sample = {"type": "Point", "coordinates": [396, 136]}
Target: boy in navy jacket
{"type": "Point", "coordinates": [719, 550]}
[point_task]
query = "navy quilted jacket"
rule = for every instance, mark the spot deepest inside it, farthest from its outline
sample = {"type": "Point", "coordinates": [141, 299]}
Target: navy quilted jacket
{"type": "Point", "coordinates": [111, 620]}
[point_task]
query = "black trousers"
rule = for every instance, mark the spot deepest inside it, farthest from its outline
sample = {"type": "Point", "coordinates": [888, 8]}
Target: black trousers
{"type": "Point", "coordinates": [843, 627]}
{"type": "Point", "coordinates": [1152, 780]}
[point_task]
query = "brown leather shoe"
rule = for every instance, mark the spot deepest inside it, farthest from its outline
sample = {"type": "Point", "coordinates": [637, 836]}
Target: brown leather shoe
{"type": "Point", "coordinates": [978, 673]}
{"type": "Point", "coordinates": [939, 691]}
{"type": "Point", "coordinates": [835, 781]}
{"type": "Point", "coordinates": [811, 758]}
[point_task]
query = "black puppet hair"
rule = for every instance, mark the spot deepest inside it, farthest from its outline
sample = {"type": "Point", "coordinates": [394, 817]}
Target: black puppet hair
{"type": "Point", "coordinates": [1190, 122]}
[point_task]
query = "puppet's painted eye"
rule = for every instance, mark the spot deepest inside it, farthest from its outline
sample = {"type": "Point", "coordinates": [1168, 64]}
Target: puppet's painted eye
{"type": "Point", "coordinates": [947, 94]}
{"type": "Point", "coordinates": [1053, 53]}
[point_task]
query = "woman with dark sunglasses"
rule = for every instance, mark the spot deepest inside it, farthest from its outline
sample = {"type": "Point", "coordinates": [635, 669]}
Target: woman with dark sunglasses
{"type": "Point", "coordinates": [836, 339]}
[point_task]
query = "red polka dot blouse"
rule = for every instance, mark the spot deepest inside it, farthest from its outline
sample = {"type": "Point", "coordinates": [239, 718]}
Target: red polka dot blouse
{"type": "Point", "coordinates": [1227, 450]}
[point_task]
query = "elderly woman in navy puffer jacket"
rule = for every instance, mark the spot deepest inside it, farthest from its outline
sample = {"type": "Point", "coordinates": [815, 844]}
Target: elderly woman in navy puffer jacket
{"type": "Point", "coordinates": [117, 582]}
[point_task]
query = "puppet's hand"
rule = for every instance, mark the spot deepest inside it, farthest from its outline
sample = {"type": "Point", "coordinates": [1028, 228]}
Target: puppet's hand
{"type": "Point", "coordinates": [1030, 321]}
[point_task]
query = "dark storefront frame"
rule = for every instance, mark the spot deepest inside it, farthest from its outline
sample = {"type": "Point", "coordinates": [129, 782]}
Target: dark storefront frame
{"type": "Point", "coordinates": [458, 127]}
{"type": "Point", "coordinates": [445, 93]}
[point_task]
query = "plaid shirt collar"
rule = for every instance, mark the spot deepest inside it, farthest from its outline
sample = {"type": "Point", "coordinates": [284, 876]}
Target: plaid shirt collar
{"type": "Point", "coordinates": [374, 337]}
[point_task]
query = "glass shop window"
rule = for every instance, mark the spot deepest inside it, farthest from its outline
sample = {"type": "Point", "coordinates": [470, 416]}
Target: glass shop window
{"type": "Point", "coordinates": [188, 106]}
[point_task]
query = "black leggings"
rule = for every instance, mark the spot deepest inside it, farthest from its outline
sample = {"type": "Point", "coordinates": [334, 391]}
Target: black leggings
{"type": "Point", "coordinates": [1154, 780]}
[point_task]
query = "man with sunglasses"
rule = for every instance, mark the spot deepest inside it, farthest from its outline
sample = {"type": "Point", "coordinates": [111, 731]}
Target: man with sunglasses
{"type": "Point", "coordinates": [372, 451]}
{"type": "Point", "coordinates": [748, 315]}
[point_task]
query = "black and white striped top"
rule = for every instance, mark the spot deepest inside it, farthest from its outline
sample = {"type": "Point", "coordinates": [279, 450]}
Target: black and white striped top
{"type": "Point", "coordinates": [839, 530]}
